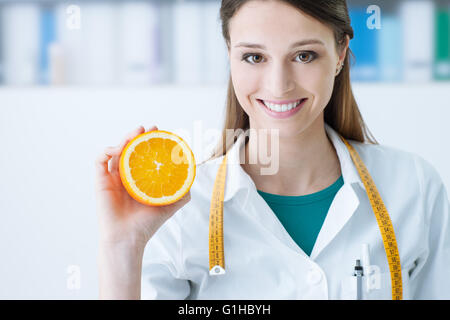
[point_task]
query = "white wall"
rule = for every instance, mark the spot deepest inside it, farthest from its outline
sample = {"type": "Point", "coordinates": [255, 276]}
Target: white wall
{"type": "Point", "coordinates": [51, 137]}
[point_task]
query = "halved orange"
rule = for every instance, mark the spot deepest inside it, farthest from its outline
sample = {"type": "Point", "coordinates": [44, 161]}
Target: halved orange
{"type": "Point", "coordinates": [157, 168]}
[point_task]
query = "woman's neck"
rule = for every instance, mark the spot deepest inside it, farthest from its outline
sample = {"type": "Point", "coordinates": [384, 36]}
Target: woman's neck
{"type": "Point", "coordinates": [306, 164]}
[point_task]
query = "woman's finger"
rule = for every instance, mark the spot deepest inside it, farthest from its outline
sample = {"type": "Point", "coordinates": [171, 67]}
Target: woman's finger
{"type": "Point", "coordinates": [101, 164]}
{"type": "Point", "coordinates": [130, 136]}
{"type": "Point", "coordinates": [101, 168]}
{"type": "Point", "coordinates": [115, 157]}
{"type": "Point", "coordinates": [112, 151]}
{"type": "Point", "coordinates": [118, 150]}
{"type": "Point", "coordinates": [152, 128]}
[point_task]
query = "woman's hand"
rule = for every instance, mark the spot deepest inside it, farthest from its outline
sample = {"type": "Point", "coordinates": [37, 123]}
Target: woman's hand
{"type": "Point", "coordinates": [122, 219]}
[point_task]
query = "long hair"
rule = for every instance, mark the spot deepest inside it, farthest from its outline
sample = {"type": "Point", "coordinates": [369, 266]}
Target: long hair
{"type": "Point", "coordinates": [341, 113]}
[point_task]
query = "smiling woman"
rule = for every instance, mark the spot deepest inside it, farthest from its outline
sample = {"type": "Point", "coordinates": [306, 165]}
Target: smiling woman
{"type": "Point", "coordinates": [291, 75]}
{"type": "Point", "coordinates": [301, 54]}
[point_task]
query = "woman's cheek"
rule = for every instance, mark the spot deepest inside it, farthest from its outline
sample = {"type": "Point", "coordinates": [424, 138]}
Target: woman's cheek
{"type": "Point", "coordinates": [320, 85]}
{"type": "Point", "coordinates": [245, 85]}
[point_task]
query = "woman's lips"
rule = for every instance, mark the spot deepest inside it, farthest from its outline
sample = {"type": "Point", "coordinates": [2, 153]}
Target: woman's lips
{"type": "Point", "coordinates": [283, 101]}
{"type": "Point", "coordinates": [285, 114]}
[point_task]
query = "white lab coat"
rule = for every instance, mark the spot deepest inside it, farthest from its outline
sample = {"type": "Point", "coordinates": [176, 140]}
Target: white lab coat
{"type": "Point", "coordinates": [263, 262]}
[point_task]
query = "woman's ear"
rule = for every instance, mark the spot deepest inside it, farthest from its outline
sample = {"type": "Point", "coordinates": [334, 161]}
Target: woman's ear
{"type": "Point", "coordinates": [343, 48]}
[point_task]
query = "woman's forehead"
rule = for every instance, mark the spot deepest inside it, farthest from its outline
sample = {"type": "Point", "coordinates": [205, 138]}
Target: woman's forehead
{"type": "Point", "coordinates": [264, 22]}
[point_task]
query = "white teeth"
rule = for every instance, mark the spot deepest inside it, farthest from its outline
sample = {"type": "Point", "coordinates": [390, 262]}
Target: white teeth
{"type": "Point", "coordinates": [281, 107]}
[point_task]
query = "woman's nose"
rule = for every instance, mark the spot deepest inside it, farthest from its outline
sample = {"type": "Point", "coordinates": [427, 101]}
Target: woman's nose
{"type": "Point", "coordinates": [280, 81]}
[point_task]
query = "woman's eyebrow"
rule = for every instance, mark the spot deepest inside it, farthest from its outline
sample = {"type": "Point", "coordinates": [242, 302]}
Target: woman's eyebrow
{"type": "Point", "coordinates": [295, 44]}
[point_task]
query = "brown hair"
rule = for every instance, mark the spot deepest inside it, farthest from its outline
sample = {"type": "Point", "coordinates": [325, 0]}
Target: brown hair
{"type": "Point", "coordinates": [341, 113]}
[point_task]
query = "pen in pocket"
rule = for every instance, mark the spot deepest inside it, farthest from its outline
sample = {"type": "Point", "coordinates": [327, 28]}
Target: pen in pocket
{"type": "Point", "coordinates": [358, 273]}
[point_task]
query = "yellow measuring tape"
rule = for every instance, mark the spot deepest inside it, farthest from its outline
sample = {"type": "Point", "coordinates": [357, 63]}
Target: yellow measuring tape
{"type": "Point", "coordinates": [216, 250]}
{"type": "Point", "coordinates": [384, 224]}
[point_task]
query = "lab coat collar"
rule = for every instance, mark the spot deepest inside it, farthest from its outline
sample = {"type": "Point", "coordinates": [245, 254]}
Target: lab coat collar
{"type": "Point", "coordinates": [238, 179]}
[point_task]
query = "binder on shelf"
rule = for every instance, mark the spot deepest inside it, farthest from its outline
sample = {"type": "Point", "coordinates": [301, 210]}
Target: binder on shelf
{"type": "Point", "coordinates": [56, 64]}
{"type": "Point", "coordinates": [187, 42]}
{"type": "Point", "coordinates": [364, 45]}
{"type": "Point", "coordinates": [215, 66]}
{"type": "Point", "coordinates": [389, 49]}
{"type": "Point", "coordinates": [20, 30]}
{"type": "Point", "coordinates": [47, 37]}
{"type": "Point", "coordinates": [139, 37]}
{"type": "Point", "coordinates": [100, 43]}
{"type": "Point", "coordinates": [418, 39]}
{"type": "Point", "coordinates": [69, 35]}
{"type": "Point", "coordinates": [442, 44]}
{"type": "Point", "coordinates": [166, 49]}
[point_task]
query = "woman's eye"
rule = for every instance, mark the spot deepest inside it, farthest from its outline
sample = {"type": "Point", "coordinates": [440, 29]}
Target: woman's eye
{"type": "Point", "coordinates": [309, 56]}
{"type": "Point", "coordinates": [254, 60]}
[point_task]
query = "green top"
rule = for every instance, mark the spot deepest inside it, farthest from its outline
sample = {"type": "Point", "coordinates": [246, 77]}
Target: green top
{"type": "Point", "coordinates": [303, 216]}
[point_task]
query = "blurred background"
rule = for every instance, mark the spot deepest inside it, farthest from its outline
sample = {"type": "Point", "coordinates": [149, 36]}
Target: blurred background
{"type": "Point", "coordinates": [76, 76]}
{"type": "Point", "coordinates": [60, 43]}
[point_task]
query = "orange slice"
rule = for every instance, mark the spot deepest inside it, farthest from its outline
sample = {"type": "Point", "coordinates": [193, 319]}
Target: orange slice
{"type": "Point", "coordinates": [157, 168]}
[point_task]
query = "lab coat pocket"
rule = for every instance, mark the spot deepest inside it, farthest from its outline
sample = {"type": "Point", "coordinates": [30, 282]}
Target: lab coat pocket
{"type": "Point", "coordinates": [376, 286]}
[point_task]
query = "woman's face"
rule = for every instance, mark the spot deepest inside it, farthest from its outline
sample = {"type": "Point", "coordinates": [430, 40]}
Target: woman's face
{"type": "Point", "coordinates": [280, 70]}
